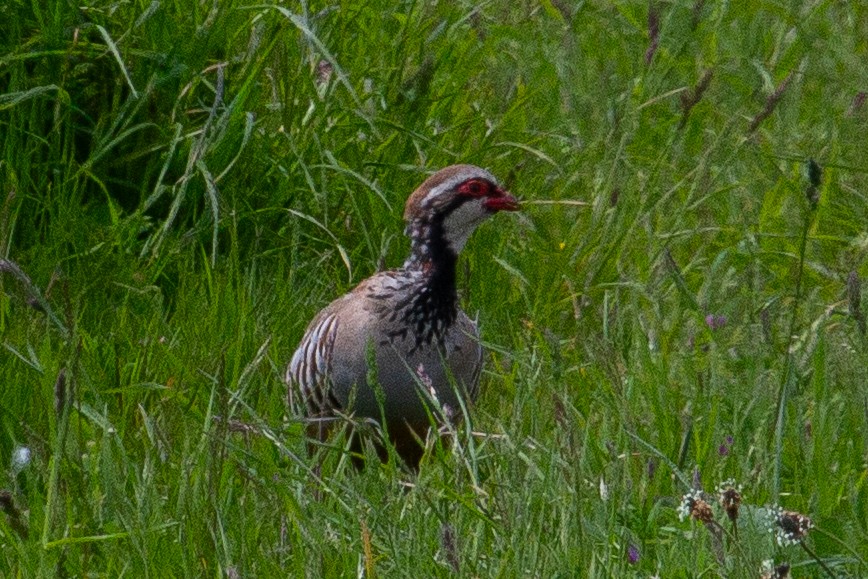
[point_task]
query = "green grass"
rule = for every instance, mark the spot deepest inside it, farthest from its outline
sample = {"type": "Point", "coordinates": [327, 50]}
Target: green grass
{"type": "Point", "coordinates": [181, 194]}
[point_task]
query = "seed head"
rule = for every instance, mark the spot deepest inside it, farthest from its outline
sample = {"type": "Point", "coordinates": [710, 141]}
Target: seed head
{"type": "Point", "coordinates": [694, 506]}
{"type": "Point", "coordinates": [815, 178]}
{"type": "Point", "coordinates": [729, 495]}
{"type": "Point", "coordinates": [770, 571]}
{"type": "Point", "coordinates": [789, 527]}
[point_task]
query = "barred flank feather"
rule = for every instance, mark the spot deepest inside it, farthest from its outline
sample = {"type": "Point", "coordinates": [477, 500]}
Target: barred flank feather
{"type": "Point", "coordinates": [311, 365]}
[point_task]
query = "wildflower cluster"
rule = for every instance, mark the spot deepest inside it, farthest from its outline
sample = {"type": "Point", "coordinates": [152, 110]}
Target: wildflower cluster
{"type": "Point", "coordinates": [788, 527]}
{"type": "Point", "coordinates": [695, 504]}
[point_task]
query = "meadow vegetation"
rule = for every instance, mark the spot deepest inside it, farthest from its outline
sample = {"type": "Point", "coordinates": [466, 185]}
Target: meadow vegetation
{"type": "Point", "coordinates": [184, 184]}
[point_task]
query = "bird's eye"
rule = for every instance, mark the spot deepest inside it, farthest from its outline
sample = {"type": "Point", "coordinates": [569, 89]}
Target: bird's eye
{"type": "Point", "coordinates": [474, 187]}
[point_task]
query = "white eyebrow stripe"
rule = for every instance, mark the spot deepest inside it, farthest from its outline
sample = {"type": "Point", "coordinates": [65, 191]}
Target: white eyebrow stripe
{"type": "Point", "coordinates": [454, 182]}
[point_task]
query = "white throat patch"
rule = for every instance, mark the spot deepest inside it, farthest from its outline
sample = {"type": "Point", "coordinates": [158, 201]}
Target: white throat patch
{"type": "Point", "coordinates": [461, 222]}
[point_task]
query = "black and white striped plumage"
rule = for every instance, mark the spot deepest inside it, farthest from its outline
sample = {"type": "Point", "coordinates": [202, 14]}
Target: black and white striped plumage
{"type": "Point", "coordinates": [407, 320]}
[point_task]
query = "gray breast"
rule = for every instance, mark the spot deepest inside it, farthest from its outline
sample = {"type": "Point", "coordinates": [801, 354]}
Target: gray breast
{"type": "Point", "coordinates": [418, 367]}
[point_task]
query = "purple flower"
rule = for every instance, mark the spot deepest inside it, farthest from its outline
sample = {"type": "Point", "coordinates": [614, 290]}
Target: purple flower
{"type": "Point", "coordinates": [715, 322]}
{"type": "Point", "coordinates": [723, 450]}
{"type": "Point", "coordinates": [632, 554]}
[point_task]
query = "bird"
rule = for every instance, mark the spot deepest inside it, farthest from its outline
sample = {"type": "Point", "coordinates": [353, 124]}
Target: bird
{"type": "Point", "coordinates": [403, 328]}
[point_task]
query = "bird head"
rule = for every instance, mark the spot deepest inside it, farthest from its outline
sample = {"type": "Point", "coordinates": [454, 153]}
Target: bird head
{"type": "Point", "coordinates": [452, 202]}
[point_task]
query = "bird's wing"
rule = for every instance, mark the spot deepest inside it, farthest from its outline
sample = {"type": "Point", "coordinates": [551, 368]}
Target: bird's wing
{"type": "Point", "coordinates": [477, 370]}
{"type": "Point", "coordinates": [470, 328]}
{"type": "Point", "coordinates": [310, 368]}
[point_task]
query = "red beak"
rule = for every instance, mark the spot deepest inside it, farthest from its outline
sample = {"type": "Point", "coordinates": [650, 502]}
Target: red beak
{"type": "Point", "coordinates": [501, 201]}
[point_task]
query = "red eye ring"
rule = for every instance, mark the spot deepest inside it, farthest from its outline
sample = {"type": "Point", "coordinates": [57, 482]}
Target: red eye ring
{"type": "Point", "coordinates": [474, 188]}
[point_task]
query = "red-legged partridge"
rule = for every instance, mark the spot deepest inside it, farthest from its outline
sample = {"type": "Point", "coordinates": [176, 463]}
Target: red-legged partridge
{"type": "Point", "coordinates": [407, 320]}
